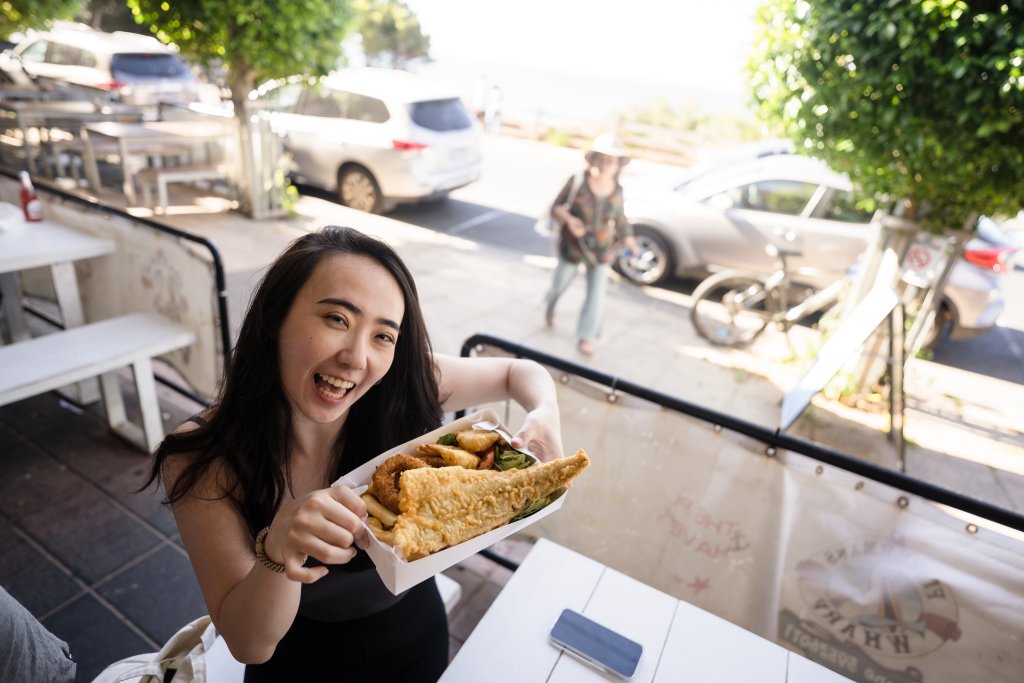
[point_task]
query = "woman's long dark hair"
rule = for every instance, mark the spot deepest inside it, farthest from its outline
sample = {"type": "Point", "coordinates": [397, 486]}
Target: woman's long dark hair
{"type": "Point", "coordinates": [248, 429]}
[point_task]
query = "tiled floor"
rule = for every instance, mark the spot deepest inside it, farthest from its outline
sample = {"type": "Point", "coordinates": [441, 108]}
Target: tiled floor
{"type": "Point", "coordinates": [101, 565]}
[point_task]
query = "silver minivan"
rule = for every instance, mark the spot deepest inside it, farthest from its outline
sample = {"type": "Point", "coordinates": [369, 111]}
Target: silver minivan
{"type": "Point", "coordinates": [110, 67]}
{"type": "Point", "coordinates": [377, 137]}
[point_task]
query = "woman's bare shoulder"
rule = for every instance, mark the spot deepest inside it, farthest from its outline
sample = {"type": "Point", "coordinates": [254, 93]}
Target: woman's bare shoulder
{"type": "Point", "coordinates": [215, 482]}
{"type": "Point", "coordinates": [195, 422]}
{"type": "Point", "coordinates": [216, 479]}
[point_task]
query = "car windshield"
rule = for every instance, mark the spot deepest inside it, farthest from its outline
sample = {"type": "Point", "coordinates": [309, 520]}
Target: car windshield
{"type": "Point", "coordinates": [145, 65]}
{"type": "Point", "coordinates": [281, 96]}
{"type": "Point", "coordinates": [440, 115]}
{"type": "Point", "coordinates": [994, 232]}
{"type": "Point", "coordinates": [36, 52]}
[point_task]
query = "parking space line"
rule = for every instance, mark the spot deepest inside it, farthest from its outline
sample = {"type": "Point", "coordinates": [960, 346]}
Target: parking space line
{"type": "Point", "coordinates": [459, 228]}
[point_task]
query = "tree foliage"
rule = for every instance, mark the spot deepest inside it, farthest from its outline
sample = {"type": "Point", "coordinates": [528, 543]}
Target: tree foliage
{"type": "Point", "coordinates": [19, 15]}
{"type": "Point", "coordinates": [391, 33]}
{"type": "Point", "coordinates": [255, 40]}
{"type": "Point", "coordinates": [915, 99]}
{"type": "Point", "coordinates": [111, 15]}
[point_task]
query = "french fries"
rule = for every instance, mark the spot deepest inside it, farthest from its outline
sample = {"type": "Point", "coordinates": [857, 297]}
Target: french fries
{"type": "Point", "coordinates": [376, 509]}
{"type": "Point", "coordinates": [383, 535]}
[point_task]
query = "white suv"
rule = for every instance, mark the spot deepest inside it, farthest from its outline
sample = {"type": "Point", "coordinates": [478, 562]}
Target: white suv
{"type": "Point", "coordinates": [377, 137]}
{"type": "Point", "coordinates": [117, 67]}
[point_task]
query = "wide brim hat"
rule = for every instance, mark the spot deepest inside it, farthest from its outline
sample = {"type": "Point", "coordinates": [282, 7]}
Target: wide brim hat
{"type": "Point", "coordinates": [609, 144]}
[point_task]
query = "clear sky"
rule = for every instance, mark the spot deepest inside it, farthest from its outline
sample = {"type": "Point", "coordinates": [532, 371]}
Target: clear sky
{"type": "Point", "coordinates": [681, 42]}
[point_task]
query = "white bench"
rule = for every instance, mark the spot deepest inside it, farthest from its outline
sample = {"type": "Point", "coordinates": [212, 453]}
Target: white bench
{"type": "Point", "coordinates": [66, 152]}
{"type": "Point", "coordinates": [97, 349]}
{"type": "Point", "coordinates": [161, 177]}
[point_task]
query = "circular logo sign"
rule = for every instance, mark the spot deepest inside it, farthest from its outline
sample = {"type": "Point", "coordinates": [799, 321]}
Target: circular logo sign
{"type": "Point", "coordinates": [872, 594]}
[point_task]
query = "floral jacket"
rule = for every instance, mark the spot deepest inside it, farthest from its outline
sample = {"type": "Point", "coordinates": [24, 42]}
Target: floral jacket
{"type": "Point", "coordinates": [605, 223]}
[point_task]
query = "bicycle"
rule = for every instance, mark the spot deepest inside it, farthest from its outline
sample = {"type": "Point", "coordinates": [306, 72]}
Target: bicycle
{"type": "Point", "coordinates": [732, 308]}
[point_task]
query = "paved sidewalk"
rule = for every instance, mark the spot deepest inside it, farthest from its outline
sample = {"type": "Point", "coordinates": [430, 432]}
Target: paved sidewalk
{"type": "Point", "coordinates": [964, 431]}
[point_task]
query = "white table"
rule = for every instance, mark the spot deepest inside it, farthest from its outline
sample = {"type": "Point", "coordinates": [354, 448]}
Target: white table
{"type": "Point", "coordinates": [681, 642]}
{"type": "Point", "coordinates": [43, 114]}
{"type": "Point", "coordinates": [47, 244]}
{"type": "Point", "coordinates": [149, 139]}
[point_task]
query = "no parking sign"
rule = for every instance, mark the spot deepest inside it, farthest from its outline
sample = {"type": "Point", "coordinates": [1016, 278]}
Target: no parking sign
{"type": "Point", "coordinates": [922, 261]}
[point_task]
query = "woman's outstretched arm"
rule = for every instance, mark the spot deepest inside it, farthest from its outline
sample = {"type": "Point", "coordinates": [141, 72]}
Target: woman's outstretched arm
{"type": "Point", "coordinates": [468, 382]}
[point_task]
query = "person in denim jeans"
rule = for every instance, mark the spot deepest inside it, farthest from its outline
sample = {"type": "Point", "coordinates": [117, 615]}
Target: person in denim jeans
{"type": "Point", "coordinates": [29, 653]}
{"type": "Point", "coordinates": [594, 228]}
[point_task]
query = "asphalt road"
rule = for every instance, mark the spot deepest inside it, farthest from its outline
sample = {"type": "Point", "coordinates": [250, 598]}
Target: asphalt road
{"type": "Point", "coordinates": [520, 177]}
{"type": "Point", "coordinates": [999, 353]}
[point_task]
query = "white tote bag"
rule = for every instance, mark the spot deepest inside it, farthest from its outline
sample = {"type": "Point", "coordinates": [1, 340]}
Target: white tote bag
{"type": "Point", "coordinates": [184, 653]}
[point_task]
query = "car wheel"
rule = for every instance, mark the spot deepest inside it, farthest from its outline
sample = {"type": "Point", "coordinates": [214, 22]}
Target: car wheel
{"type": "Point", "coordinates": [358, 189]}
{"type": "Point", "coordinates": [944, 321]}
{"type": "Point", "coordinates": [652, 264]}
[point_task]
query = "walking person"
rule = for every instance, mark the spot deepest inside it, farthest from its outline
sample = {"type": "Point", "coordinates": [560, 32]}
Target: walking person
{"type": "Point", "coordinates": [593, 230]}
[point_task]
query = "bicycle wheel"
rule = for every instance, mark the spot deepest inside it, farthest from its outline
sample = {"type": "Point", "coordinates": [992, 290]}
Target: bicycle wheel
{"type": "Point", "coordinates": [731, 309]}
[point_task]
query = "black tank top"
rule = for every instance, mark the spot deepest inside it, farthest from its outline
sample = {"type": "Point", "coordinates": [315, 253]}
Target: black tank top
{"type": "Point", "coordinates": [349, 591]}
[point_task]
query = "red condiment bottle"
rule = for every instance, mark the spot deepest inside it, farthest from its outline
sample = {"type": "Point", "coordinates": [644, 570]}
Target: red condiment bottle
{"type": "Point", "coordinates": [30, 203]}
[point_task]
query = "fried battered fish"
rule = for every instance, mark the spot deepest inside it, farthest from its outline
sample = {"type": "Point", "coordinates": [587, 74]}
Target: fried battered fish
{"type": "Point", "coordinates": [446, 506]}
{"type": "Point", "coordinates": [476, 440]}
{"type": "Point", "coordinates": [451, 455]}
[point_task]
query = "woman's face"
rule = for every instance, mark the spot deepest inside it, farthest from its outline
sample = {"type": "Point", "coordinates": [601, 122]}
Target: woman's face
{"type": "Point", "coordinates": [339, 336]}
{"type": "Point", "coordinates": [603, 165]}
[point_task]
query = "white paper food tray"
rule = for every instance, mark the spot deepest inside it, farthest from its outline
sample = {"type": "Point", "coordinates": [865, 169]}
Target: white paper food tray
{"type": "Point", "coordinates": [399, 575]}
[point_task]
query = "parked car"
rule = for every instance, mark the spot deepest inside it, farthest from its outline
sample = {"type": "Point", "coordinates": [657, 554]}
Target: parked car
{"type": "Point", "coordinates": [725, 217]}
{"type": "Point", "coordinates": [377, 137]}
{"type": "Point", "coordinates": [115, 67]}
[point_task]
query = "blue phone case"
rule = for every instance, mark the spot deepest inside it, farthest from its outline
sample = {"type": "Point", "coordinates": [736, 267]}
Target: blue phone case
{"type": "Point", "coordinates": [597, 645]}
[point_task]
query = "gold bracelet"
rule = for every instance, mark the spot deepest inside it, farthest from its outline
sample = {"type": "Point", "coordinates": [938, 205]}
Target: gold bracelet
{"type": "Point", "coordinates": [261, 553]}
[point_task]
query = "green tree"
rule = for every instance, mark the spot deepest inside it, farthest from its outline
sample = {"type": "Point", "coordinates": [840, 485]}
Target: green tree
{"type": "Point", "coordinates": [255, 40]}
{"type": "Point", "coordinates": [916, 99]}
{"type": "Point", "coordinates": [111, 15]}
{"type": "Point", "coordinates": [19, 15]}
{"type": "Point", "coordinates": [391, 33]}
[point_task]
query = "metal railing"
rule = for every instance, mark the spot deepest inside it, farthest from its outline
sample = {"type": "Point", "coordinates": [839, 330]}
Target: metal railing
{"type": "Point", "coordinates": [773, 439]}
{"type": "Point", "coordinates": [218, 265]}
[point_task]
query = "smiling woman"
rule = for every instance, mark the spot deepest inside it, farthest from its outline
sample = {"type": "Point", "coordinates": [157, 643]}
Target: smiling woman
{"type": "Point", "coordinates": [333, 366]}
{"type": "Point", "coordinates": [334, 348]}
